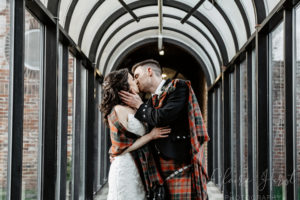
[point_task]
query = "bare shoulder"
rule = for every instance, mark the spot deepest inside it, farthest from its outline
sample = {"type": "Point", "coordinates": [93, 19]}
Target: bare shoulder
{"type": "Point", "coordinates": [122, 113]}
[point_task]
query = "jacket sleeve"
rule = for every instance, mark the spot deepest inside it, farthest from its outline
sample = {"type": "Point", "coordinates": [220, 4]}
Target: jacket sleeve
{"type": "Point", "coordinates": [169, 112]}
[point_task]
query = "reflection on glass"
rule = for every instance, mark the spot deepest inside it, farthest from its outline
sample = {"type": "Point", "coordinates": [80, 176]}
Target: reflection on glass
{"type": "Point", "coordinates": [71, 64]}
{"type": "Point", "coordinates": [277, 108]}
{"type": "Point", "coordinates": [99, 168]}
{"type": "Point", "coordinates": [220, 139]}
{"type": "Point", "coordinates": [297, 97]}
{"type": "Point", "coordinates": [32, 104]}
{"type": "Point", "coordinates": [254, 123]}
{"type": "Point", "coordinates": [234, 177]}
{"type": "Point", "coordinates": [83, 93]}
{"type": "Point", "coordinates": [244, 129]}
{"type": "Point", "coordinates": [4, 93]}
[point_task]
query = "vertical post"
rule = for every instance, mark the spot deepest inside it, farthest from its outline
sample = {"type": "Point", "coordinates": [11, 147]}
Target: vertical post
{"type": "Point", "coordinates": [262, 115]}
{"type": "Point", "coordinates": [49, 131]}
{"type": "Point", "coordinates": [16, 101]}
{"type": "Point", "coordinates": [90, 136]}
{"type": "Point", "coordinates": [289, 99]}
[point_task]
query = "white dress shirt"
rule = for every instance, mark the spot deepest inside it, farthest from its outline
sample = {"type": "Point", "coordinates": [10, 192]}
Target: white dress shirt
{"type": "Point", "coordinates": [158, 89]}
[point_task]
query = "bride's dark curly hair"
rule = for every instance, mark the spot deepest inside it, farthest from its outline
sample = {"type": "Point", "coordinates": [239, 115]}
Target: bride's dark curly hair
{"type": "Point", "coordinates": [113, 83]}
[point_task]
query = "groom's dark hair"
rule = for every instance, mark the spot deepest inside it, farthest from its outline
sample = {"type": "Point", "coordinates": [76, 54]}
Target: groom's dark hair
{"type": "Point", "coordinates": [153, 64]}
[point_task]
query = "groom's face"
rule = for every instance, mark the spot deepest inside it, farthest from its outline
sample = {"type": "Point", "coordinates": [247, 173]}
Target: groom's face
{"type": "Point", "coordinates": [141, 78]}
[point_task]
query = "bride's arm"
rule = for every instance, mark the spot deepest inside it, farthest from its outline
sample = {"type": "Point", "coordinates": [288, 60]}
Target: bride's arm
{"type": "Point", "coordinates": [155, 133]}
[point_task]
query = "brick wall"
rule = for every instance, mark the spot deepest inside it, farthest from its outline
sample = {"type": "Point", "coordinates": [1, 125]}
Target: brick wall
{"type": "Point", "coordinates": [4, 92]}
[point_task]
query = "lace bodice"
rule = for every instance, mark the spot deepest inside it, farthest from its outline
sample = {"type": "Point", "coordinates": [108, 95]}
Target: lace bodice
{"type": "Point", "coordinates": [135, 126]}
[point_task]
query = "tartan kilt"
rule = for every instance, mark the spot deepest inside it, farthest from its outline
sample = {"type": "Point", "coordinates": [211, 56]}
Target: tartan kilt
{"type": "Point", "coordinates": [179, 187]}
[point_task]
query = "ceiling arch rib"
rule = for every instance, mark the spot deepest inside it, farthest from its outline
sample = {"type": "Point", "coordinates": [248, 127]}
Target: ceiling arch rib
{"type": "Point", "coordinates": [260, 11]}
{"type": "Point", "coordinates": [126, 19]}
{"type": "Point", "coordinates": [244, 17]}
{"type": "Point", "coordinates": [125, 48]}
{"type": "Point", "coordinates": [82, 10]}
{"type": "Point", "coordinates": [169, 23]}
{"type": "Point", "coordinates": [121, 23]}
{"type": "Point", "coordinates": [146, 41]}
{"type": "Point", "coordinates": [207, 10]}
{"type": "Point", "coordinates": [66, 12]}
{"type": "Point", "coordinates": [237, 22]}
{"type": "Point", "coordinates": [113, 17]}
{"type": "Point", "coordinates": [248, 6]}
{"type": "Point", "coordinates": [150, 32]}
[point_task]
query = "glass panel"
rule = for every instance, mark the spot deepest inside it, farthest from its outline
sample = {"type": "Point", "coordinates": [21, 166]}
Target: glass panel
{"type": "Point", "coordinates": [59, 120]}
{"type": "Point", "coordinates": [271, 4]}
{"type": "Point", "coordinates": [214, 130]}
{"type": "Point", "coordinates": [99, 168]}
{"type": "Point", "coordinates": [232, 11]}
{"type": "Point", "coordinates": [277, 115]}
{"type": "Point", "coordinates": [32, 106]}
{"type": "Point", "coordinates": [63, 11]}
{"type": "Point", "coordinates": [147, 34]}
{"type": "Point", "coordinates": [233, 135]}
{"type": "Point", "coordinates": [153, 9]}
{"type": "Point", "coordinates": [5, 49]}
{"type": "Point", "coordinates": [244, 129]}
{"type": "Point", "coordinates": [83, 132]}
{"type": "Point", "coordinates": [297, 96]}
{"type": "Point", "coordinates": [248, 7]}
{"type": "Point", "coordinates": [254, 132]}
{"type": "Point", "coordinates": [71, 65]}
{"type": "Point", "coordinates": [220, 139]}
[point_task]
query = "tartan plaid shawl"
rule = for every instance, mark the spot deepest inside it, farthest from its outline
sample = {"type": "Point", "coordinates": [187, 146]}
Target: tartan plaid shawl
{"type": "Point", "coordinates": [198, 137]}
{"type": "Point", "coordinates": [122, 139]}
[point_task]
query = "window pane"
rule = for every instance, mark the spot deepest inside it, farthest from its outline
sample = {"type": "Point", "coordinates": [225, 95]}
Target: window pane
{"type": "Point", "coordinates": [32, 106]}
{"type": "Point", "coordinates": [59, 120]}
{"type": "Point", "coordinates": [254, 132]}
{"type": "Point", "coordinates": [244, 129]}
{"type": "Point", "coordinates": [71, 64]}
{"type": "Point", "coordinates": [297, 96]}
{"type": "Point", "coordinates": [4, 92]}
{"type": "Point", "coordinates": [233, 134]}
{"type": "Point", "coordinates": [220, 139]}
{"type": "Point", "coordinates": [83, 131]}
{"type": "Point", "coordinates": [277, 117]}
{"type": "Point", "coordinates": [99, 168]}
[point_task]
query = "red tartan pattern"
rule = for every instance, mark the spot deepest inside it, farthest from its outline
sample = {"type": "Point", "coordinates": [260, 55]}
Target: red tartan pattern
{"type": "Point", "coordinates": [142, 156]}
{"type": "Point", "coordinates": [180, 186]}
{"type": "Point", "coordinates": [198, 133]}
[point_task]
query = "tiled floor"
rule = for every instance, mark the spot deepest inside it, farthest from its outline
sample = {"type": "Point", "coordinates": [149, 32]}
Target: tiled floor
{"type": "Point", "coordinates": [213, 192]}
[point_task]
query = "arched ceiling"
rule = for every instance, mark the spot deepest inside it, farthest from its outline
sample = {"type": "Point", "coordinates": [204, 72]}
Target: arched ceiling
{"type": "Point", "coordinates": [215, 31]}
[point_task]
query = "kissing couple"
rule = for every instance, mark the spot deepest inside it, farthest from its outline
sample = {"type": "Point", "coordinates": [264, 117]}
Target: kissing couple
{"type": "Point", "coordinates": [157, 147]}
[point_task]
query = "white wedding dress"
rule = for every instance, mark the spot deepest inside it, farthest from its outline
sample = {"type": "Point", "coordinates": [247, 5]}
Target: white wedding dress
{"type": "Point", "coordinates": [124, 181]}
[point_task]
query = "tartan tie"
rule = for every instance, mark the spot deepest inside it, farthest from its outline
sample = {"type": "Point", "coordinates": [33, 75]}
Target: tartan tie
{"type": "Point", "coordinates": [154, 100]}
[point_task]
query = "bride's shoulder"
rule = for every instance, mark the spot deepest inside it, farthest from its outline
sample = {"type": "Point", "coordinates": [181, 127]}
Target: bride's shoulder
{"type": "Point", "coordinates": [122, 113]}
{"type": "Point", "coordinates": [121, 109]}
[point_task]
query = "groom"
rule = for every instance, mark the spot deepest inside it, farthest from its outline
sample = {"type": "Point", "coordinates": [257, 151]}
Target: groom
{"type": "Point", "coordinates": [180, 156]}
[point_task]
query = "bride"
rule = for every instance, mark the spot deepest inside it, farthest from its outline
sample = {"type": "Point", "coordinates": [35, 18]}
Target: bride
{"type": "Point", "coordinates": [133, 174]}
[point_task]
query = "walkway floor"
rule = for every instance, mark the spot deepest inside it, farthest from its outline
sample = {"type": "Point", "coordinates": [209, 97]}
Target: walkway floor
{"type": "Point", "coordinates": [213, 192]}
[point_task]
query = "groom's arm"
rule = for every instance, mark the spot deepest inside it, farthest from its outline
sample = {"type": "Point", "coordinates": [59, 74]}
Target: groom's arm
{"type": "Point", "coordinates": [169, 112]}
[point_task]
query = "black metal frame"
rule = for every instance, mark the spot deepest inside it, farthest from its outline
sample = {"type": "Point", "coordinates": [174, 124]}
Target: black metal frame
{"type": "Point", "coordinates": [154, 28]}
{"type": "Point", "coordinates": [17, 102]}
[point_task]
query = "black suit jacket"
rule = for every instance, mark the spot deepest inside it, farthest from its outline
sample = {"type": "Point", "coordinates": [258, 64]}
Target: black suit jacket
{"type": "Point", "coordinates": [173, 113]}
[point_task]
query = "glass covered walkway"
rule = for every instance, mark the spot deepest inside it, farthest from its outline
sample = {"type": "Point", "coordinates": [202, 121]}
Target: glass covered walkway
{"type": "Point", "coordinates": [242, 57]}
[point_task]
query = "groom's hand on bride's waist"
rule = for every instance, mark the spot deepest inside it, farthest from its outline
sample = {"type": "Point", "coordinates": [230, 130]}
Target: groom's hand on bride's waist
{"type": "Point", "coordinates": [131, 99]}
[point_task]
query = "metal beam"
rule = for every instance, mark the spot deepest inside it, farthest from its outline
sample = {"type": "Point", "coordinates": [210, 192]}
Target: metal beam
{"type": "Point", "coordinates": [151, 28]}
{"type": "Point", "coordinates": [17, 101]}
{"type": "Point", "coordinates": [154, 15]}
{"type": "Point", "coordinates": [167, 40]}
{"type": "Point", "coordinates": [192, 11]}
{"type": "Point", "coordinates": [127, 8]}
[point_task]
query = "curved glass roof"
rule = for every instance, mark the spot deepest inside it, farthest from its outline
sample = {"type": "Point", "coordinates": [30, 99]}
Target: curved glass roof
{"type": "Point", "coordinates": [215, 31]}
